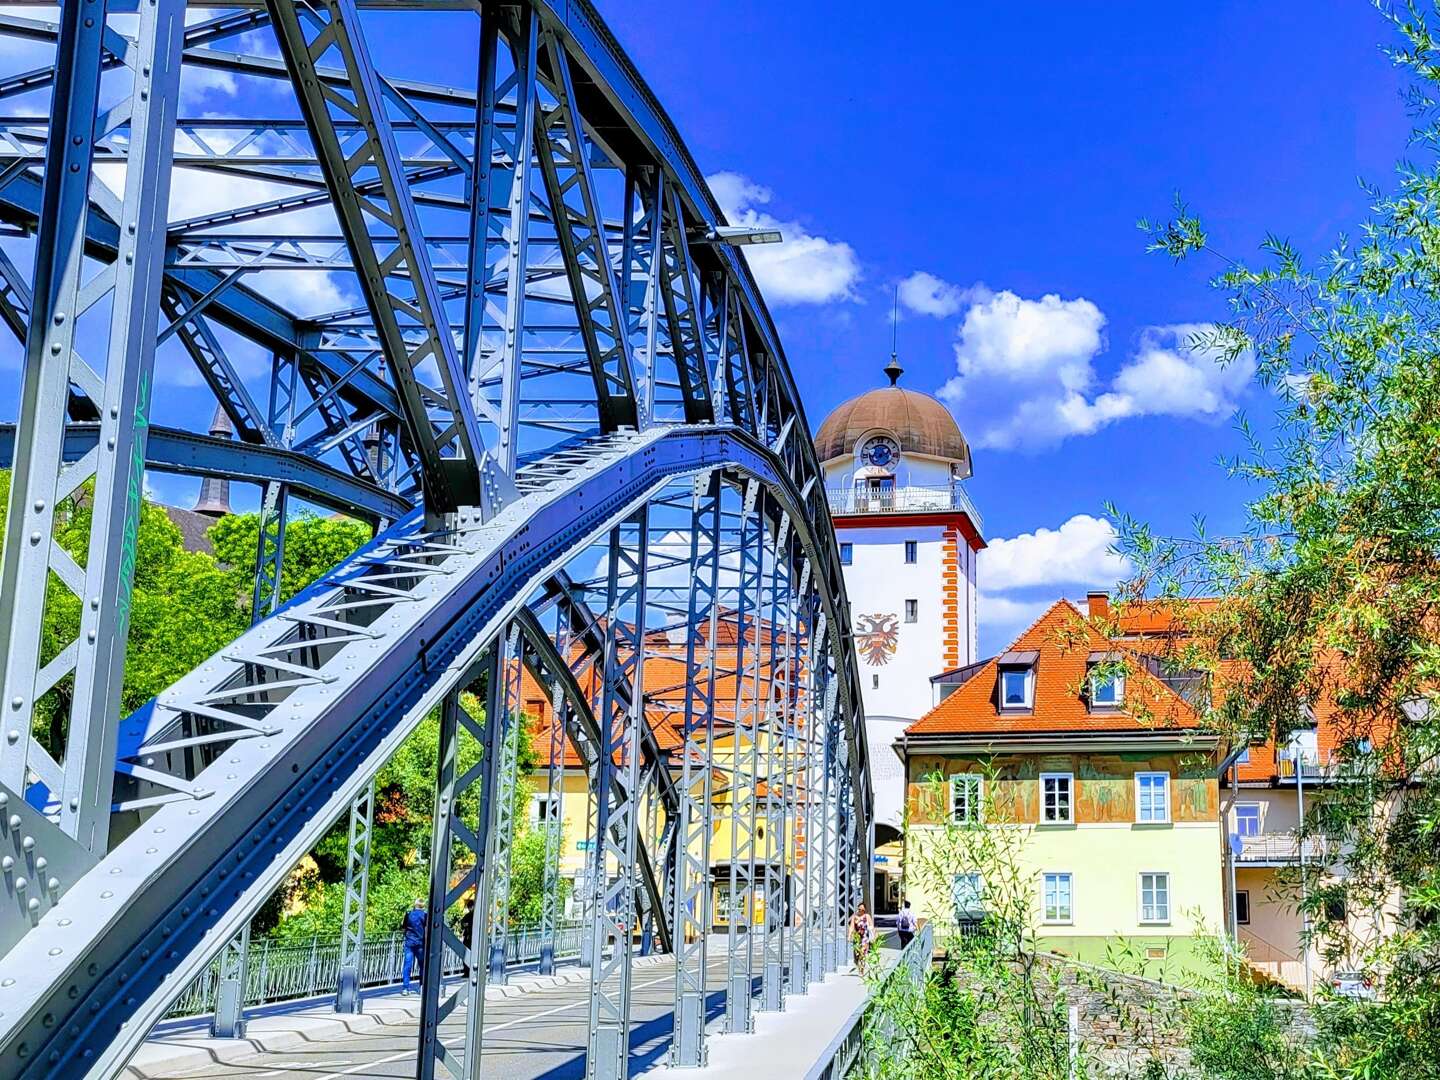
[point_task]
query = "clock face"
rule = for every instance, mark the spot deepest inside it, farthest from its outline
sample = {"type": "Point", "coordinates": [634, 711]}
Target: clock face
{"type": "Point", "coordinates": [881, 451]}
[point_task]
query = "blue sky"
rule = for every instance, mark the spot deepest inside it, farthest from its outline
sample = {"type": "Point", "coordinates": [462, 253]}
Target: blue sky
{"type": "Point", "coordinates": [993, 160]}
{"type": "Point", "coordinates": [1014, 147]}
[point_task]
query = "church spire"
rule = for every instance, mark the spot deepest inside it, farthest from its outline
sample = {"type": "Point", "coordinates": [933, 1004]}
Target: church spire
{"type": "Point", "coordinates": [215, 490]}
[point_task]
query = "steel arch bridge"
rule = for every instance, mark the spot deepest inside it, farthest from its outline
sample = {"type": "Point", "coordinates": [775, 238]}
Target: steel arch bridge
{"type": "Point", "coordinates": [559, 398]}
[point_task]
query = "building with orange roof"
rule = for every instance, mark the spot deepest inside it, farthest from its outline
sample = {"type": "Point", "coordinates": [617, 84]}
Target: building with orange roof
{"type": "Point", "coordinates": [1265, 792]}
{"type": "Point", "coordinates": [664, 682]}
{"type": "Point", "coordinates": [1103, 772]}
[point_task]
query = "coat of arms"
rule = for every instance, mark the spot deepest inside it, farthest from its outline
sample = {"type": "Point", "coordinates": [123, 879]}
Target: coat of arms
{"type": "Point", "coordinates": [876, 636]}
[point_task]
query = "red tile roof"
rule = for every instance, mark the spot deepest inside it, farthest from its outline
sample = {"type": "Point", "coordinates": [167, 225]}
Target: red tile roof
{"type": "Point", "coordinates": [1064, 640]}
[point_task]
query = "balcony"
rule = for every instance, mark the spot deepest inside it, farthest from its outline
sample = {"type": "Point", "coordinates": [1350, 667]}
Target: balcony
{"type": "Point", "coordinates": [902, 500]}
{"type": "Point", "coordinates": [1277, 849]}
{"type": "Point", "coordinates": [1308, 766]}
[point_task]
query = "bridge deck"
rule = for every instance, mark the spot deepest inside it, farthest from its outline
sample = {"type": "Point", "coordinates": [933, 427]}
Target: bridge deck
{"type": "Point", "coordinates": [541, 1033]}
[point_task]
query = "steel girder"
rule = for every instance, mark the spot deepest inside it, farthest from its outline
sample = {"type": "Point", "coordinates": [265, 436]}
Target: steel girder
{"type": "Point", "coordinates": [231, 831]}
{"type": "Point", "coordinates": [653, 296]}
{"type": "Point", "coordinates": [693, 898]}
{"type": "Point", "coordinates": [173, 450]}
{"type": "Point", "coordinates": [440, 418]}
{"type": "Point", "coordinates": [81, 785]}
{"type": "Point", "coordinates": [744, 764]}
{"type": "Point", "coordinates": [357, 881]}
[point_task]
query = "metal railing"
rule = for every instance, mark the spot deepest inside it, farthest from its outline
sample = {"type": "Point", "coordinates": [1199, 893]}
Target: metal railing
{"type": "Point", "coordinates": [287, 970]}
{"type": "Point", "coordinates": [1278, 848]}
{"type": "Point", "coordinates": [902, 499]}
{"type": "Point", "coordinates": [1312, 766]}
{"type": "Point", "coordinates": [839, 1058]}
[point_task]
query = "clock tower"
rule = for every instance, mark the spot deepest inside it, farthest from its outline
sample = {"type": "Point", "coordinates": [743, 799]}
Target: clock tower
{"type": "Point", "coordinates": [895, 467]}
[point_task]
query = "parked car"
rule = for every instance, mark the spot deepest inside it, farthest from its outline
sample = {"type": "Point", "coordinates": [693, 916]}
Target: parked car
{"type": "Point", "coordinates": [1353, 984]}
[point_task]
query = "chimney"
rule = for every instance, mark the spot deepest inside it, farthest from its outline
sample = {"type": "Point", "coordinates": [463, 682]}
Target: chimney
{"type": "Point", "coordinates": [214, 497]}
{"type": "Point", "coordinates": [1098, 604]}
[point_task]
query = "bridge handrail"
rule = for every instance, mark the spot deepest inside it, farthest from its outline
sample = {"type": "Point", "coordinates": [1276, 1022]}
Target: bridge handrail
{"type": "Point", "coordinates": [837, 1059]}
{"type": "Point", "coordinates": [281, 970]}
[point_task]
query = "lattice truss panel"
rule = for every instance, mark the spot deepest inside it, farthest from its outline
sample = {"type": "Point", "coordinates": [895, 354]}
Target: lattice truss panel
{"type": "Point", "coordinates": [486, 316]}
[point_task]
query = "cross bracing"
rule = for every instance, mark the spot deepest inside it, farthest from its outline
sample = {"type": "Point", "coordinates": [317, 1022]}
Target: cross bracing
{"type": "Point", "coordinates": [568, 417]}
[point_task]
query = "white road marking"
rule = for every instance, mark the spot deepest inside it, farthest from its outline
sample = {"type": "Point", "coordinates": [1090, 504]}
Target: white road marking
{"type": "Point", "coordinates": [497, 1027]}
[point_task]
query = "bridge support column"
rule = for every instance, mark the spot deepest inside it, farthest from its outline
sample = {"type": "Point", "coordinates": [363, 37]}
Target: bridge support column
{"type": "Point", "coordinates": [503, 812]}
{"type": "Point", "coordinates": [618, 800]}
{"type": "Point", "coordinates": [458, 728]}
{"type": "Point", "coordinates": [744, 766]}
{"type": "Point", "coordinates": [778, 719]}
{"type": "Point", "coordinates": [554, 815]}
{"type": "Point", "coordinates": [357, 888]}
{"type": "Point", "coordinates": [692, 904]}
{"type": "Point", "coordinates": [229, 1019]}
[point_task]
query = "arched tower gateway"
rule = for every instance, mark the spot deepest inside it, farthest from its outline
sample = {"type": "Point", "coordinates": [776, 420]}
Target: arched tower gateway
{"type": "Point", "coordinates": [895, 463]}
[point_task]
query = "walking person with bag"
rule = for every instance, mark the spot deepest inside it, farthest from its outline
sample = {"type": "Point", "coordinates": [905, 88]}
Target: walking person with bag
{"type": "Point", "coordinates": [905, 925]}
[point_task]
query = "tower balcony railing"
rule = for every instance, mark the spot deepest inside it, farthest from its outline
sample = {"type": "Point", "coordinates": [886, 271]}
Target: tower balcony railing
{"type": "Point", "coordinates": [905, 499]}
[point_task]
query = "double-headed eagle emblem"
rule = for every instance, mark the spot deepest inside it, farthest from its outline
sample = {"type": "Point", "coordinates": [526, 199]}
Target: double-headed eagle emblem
{"type": "Point", "coordinates": [876, 636]}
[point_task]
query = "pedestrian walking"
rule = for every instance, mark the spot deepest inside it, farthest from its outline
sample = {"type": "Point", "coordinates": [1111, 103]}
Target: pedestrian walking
{"type": "Point", "coordinates": [862, 933]}
{"type": "Point", "coordinates": [905, 925]}
{"type": "Point", "coordinates": [413, 925]}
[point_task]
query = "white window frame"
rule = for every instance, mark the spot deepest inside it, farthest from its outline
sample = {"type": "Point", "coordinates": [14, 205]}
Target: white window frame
{"type": "Point", "coordinates": [1069, 778]}
{"type": "Point", "coordinates": [1140, 889]}
{"type": "Point", "coordinates": [1247, 806]}
{"type": "Point", "coordinates": [1246, 894]}
{"type": "Point", "coordinates": [977, 894]}
{"type": "Point", "coordinates": [912, 552]}
{"type": "Point", "coordinates": [1118, 682]}
{"type": "Point", "coordinates": [1140, 819]}
{"type": "Point", "coordinates": [975, 799]}
{"type": "Point", "coordinates": [912, 611]}
{"type": "Point", "coordinates": [1069, 919]}
{"type": "Point", "coordinates": [1028, 673]}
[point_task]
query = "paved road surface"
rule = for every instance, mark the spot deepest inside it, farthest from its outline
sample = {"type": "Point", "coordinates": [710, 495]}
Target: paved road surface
{"type": "Point", "coordinates": [538, 1035]}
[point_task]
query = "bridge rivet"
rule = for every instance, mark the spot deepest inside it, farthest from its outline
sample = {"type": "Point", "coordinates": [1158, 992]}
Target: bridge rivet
{"type": "Point", "coordinates": [53, 884]}
{"type": "Point", "coordinates": [106, 895]}
{"type": "Point", "coordinates": [14, 821]}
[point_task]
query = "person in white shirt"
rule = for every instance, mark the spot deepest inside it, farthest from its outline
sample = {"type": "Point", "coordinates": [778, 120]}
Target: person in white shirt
{"type": "Point", "coordinates": [905, 925]}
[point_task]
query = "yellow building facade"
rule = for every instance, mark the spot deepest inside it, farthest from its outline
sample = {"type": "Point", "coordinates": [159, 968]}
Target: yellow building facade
{"type": "Point", "coordinates": [1070, 790]}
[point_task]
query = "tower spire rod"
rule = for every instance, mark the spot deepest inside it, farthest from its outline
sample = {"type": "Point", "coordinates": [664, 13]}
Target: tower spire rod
{"type": "Point", "coordinates": [893, 369]}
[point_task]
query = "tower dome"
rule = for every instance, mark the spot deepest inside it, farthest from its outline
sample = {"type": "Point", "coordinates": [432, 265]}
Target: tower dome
{"type": "Point", "coordinates": [917, 422]}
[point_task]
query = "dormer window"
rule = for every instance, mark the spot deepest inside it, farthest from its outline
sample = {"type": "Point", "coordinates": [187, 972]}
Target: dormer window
{"type": "Point", "coordinates": [1016, 688]}
{"type": "Point", "coordinates": [1104, 688]}
{"type": "Point", "coordinates": [1106, 691]}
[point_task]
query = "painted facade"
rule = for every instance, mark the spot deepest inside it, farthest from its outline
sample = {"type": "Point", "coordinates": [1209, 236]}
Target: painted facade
{"type": "Point", "coordinates": [1116, 800]}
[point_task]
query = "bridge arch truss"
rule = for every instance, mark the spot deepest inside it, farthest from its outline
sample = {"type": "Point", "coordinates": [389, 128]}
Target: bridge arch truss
{"type": "Point", "coordinates": [558, 397]}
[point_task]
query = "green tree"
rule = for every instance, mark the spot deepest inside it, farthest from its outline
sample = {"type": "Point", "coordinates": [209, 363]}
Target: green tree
{"type": "Point", "coordinates": [1332, 595]}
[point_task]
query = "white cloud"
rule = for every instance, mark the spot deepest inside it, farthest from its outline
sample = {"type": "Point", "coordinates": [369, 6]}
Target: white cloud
{"type": "Point", "coordinates": [805, 269]}
{"type": "Point", "coordinates": [1004, 614]}
{"type": "Point", "coordinates": [1077, 553]}
{"type": "Point", "coordinates": [925, 294]}
{"type": "Point", "coordinates": [1026, 371]}
{"type": "Point", "coordinates": [1028, 341]}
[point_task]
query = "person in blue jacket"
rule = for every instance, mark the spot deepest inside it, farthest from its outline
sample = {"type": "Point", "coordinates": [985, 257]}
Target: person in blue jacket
{"type": "Point", "coordinates": [413, 925]}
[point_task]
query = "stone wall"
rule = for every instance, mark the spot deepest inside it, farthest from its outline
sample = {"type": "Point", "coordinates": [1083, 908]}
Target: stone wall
{"type": "Point", "coordinates": [1124, 1021]}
